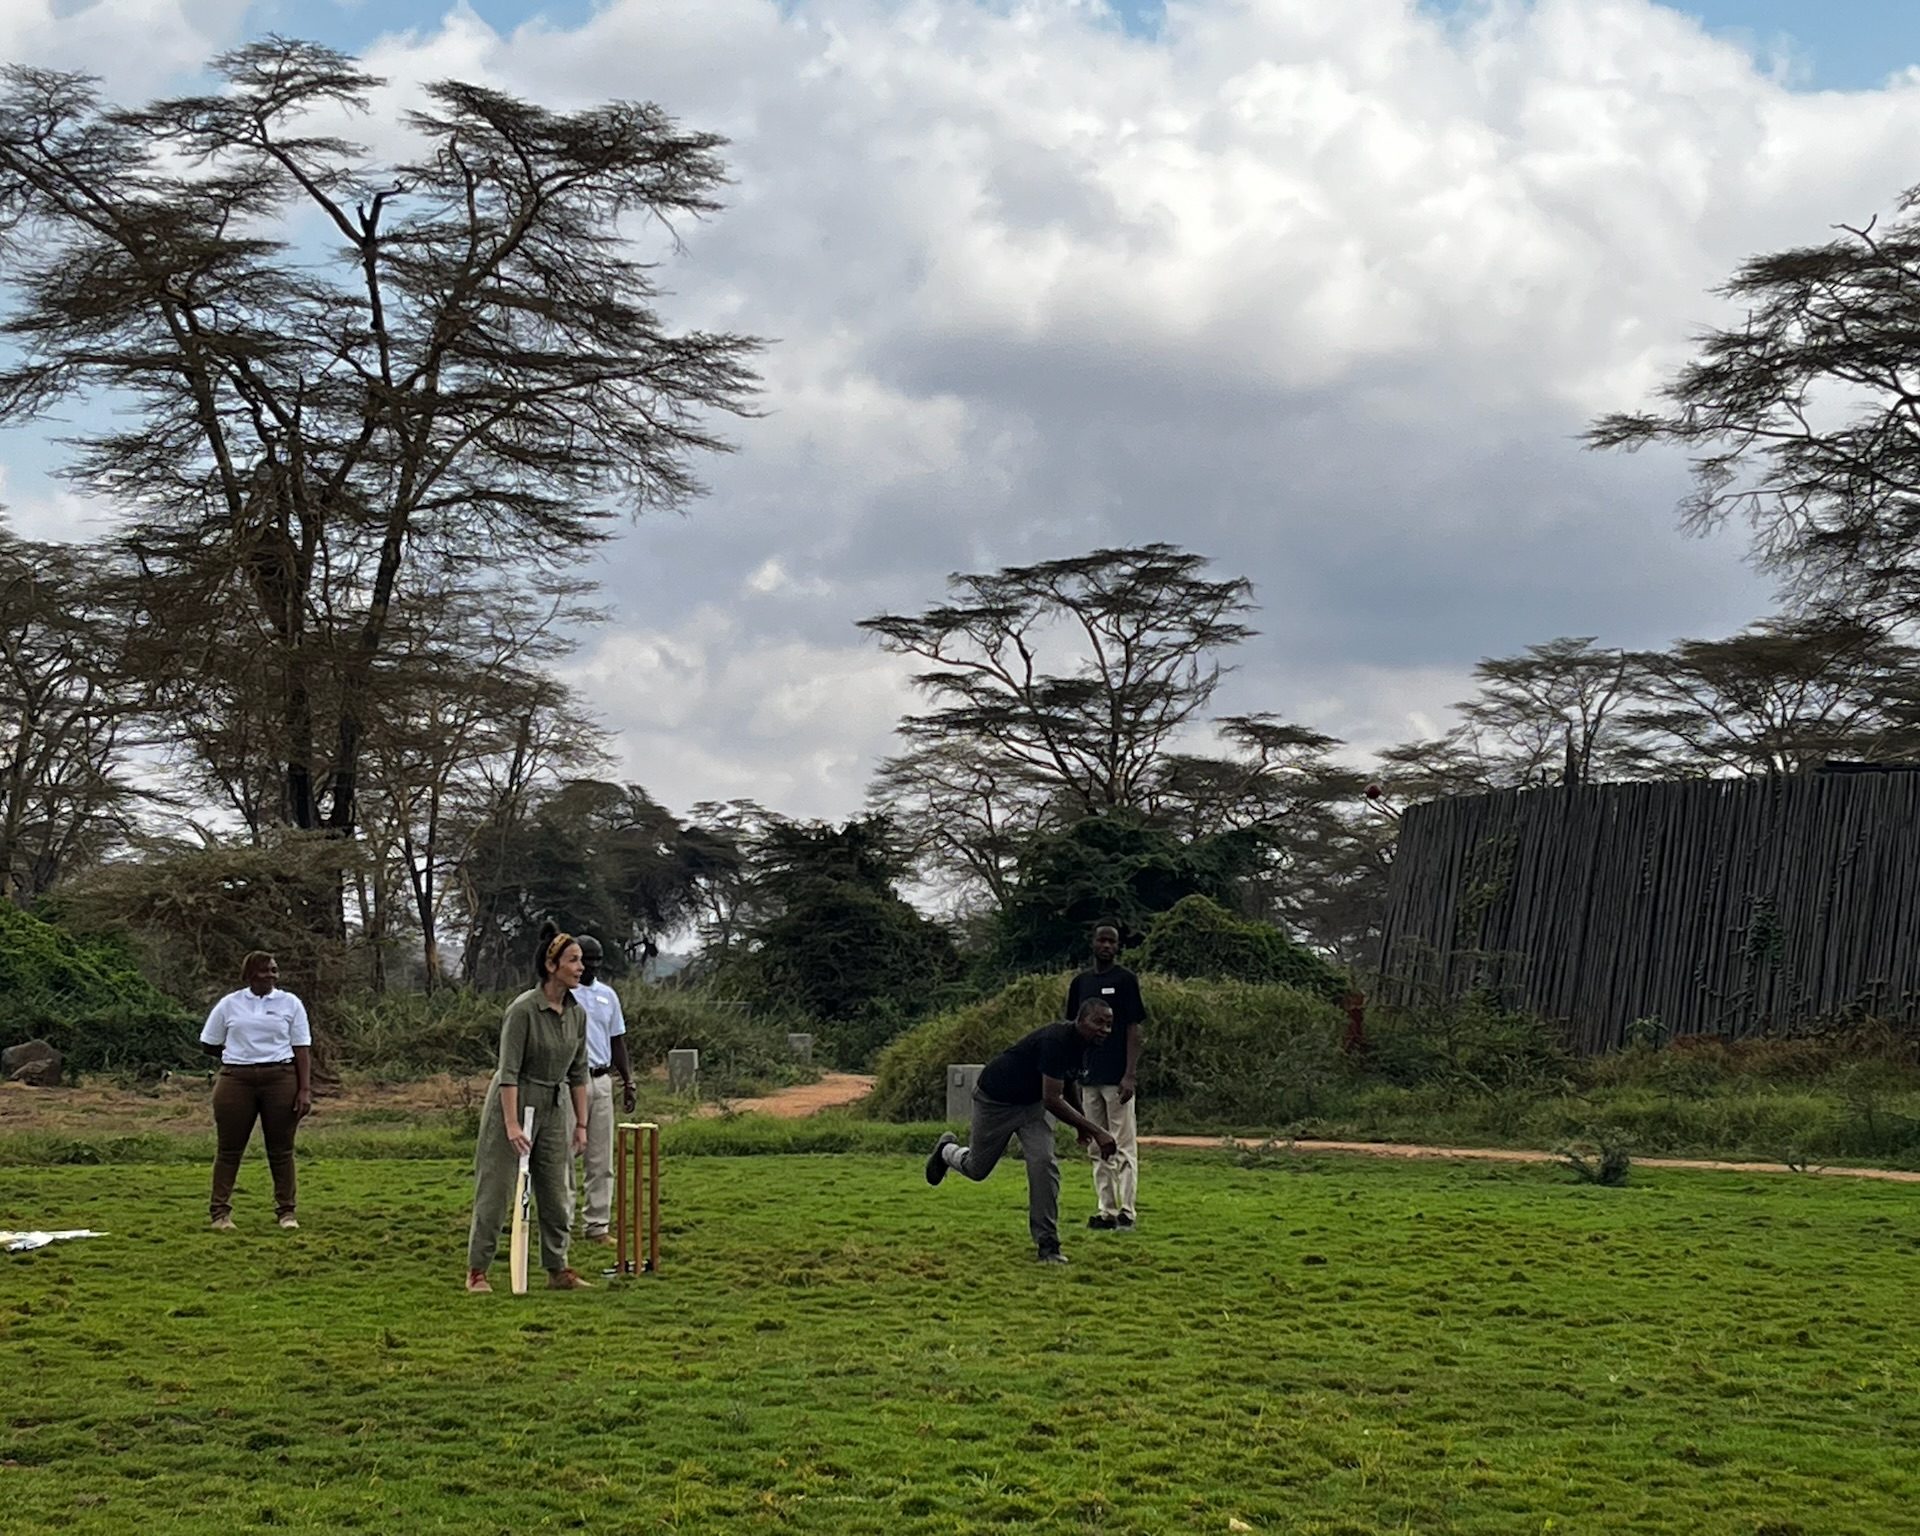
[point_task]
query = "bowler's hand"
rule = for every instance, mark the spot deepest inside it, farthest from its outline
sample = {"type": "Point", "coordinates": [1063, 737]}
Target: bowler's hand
{"type": "Point", "coordinates": [1126, 1089]}
{"type": "Point", "coordinates": [1107, 1145]}
{"type": "Point", "coordinates": [579, 1139]}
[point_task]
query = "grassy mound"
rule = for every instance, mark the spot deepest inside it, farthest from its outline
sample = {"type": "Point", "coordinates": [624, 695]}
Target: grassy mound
{"type": "Point", "coordinates": [1226, 1048]}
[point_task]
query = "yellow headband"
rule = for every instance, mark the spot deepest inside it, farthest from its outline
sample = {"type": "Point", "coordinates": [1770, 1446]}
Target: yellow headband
{"type": "Point", "coordinates": [560, 942]}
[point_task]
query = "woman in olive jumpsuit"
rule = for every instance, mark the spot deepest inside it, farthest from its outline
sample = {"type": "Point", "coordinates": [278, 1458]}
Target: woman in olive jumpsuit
{"type": "Point", "coordinates": [543, 1063]}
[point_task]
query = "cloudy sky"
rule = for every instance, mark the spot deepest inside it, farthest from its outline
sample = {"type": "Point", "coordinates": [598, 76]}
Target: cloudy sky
{"type": "Point", "coordinates": [1323, 291]}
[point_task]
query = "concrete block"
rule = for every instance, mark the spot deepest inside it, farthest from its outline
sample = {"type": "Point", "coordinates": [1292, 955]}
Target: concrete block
{"type": "Point", "coordinates": [683, 1071]}
{"type": "Point", "coordinates": [960, 1081]}
{"type": "Point", "coordinates": [800, 1047]}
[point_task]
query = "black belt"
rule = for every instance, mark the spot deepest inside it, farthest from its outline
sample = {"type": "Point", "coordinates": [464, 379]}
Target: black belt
{"type": "Point", "coordinates": [262, 1064]}
{"type": "Point", "coordinates": [598, 1071]}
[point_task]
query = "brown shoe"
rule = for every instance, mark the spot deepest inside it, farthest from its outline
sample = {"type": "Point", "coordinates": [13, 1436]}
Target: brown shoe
{"type": "Point", "coordinates": [477, 1283]}
{"type": "Point", "coordinates": [566, 1280]}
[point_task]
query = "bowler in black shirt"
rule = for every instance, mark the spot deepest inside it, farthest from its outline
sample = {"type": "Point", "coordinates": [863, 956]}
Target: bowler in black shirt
{"type": "Point", "coordinates": [1016, 1090]}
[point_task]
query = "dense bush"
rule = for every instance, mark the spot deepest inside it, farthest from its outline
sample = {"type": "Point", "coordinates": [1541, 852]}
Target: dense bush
{"type": "Point", "coordinates": [86, 998]}
{"type": "Point", "coordinates": [1469, 1044]}
{"type": "Point", "coordinates": [740, 1051]}
{"type": "Point", "coordinates": [192, 914]}
{"type": "Point", "coordinates": [1113, 868]}
{"type": "Point", "coordinates": [458, 1030]}
{"type": "Point", "coordinates": [1200, 938]}
{"type": "Point", "coordinates": [406, 1034]}
{"type": "Point", "coordinates": [1224, 1050]}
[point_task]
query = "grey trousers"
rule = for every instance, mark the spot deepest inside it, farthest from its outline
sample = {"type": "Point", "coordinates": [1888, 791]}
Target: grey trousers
{"type": "Point", "coordinates": [994, 1125]}
{"type": "Point", "coordinates": [496, 1169]}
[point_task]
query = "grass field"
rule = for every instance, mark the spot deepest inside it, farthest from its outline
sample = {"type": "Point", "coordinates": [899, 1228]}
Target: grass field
{"type": "Point", "coordinates": [1307, 1346]}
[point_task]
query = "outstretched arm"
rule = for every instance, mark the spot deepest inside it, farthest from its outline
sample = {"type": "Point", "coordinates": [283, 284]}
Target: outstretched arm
{"type": "Point", "coordinates": [1053, 1093]}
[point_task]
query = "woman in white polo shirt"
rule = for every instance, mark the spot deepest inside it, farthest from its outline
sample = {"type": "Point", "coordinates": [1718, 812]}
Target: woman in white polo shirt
{"type": "Point", "coordinates": [261, 1036]}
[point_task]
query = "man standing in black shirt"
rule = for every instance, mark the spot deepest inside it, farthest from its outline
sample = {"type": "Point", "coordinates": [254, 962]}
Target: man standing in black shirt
{"type": "Point", "coordinates": [1109, 1078]}
{"type": "Point", "coordinates": [1016, 1090]}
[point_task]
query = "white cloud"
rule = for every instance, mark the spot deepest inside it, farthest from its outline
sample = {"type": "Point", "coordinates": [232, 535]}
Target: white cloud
{"type": "Point", "coordinates": [1323, 291]}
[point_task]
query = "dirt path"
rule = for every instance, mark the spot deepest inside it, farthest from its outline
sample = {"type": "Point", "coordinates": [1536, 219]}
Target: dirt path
{"type": "Point", "coordinates": [1511, 1155]}
{"type": "Point", "coordinates": [835, 1090]}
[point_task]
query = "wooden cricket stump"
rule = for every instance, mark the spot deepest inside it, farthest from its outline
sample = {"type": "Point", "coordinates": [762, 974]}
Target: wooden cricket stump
{"type": "Point", "coordinates": [636, 1205]}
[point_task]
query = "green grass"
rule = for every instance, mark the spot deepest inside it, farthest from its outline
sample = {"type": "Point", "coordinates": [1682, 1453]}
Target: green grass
{"type": "Point", "coordinates": [1327, 1346]}
{"type": "Point", "coordinates": [1740, 1120]}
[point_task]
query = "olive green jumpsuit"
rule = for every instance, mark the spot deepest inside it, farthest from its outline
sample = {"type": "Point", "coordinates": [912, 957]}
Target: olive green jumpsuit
{"type": "Point", "coordinates": [543, 1051]}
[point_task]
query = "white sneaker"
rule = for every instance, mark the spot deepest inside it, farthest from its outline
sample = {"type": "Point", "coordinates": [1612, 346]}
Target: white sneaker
{"type": "Point", "coordinates": [224, 1224]}
{"type": "Point", "coordinates": [288, 1224]}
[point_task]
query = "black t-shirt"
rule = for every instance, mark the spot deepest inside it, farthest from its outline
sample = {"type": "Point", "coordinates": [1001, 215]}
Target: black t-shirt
{"type": "Point", "coordinates": [1052, 1050]}
{"type": "Point", "coordinates": [1119, 989]}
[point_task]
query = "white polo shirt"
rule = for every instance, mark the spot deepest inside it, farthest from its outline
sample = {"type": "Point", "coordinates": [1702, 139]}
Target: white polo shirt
{"type": "Point", "coordinates": [604, 1021]}
{"type": "Point", "coordinates": [255, 1031]}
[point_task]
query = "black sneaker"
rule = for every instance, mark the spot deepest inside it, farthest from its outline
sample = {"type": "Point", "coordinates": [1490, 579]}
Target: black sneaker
{"type": "Point", "coordinates": [1051, 1256]}
{"type": "Point", "coordinates": [936, 1159]}
{"type": "Point", "coordinates": [1101, 1223]}
{"type": "Point", "coordinates": [1124, 1222]}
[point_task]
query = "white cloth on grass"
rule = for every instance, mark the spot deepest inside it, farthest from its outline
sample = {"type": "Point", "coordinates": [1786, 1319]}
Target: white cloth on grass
{"type": "Point", "coordinates": [23, 1242]}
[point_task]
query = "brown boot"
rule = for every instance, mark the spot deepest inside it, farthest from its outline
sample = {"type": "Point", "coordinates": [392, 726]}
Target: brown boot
{"type": "Point", "coordinates": [566, 1280]}
{"type": "Point", "coordinates": [477, 1283]}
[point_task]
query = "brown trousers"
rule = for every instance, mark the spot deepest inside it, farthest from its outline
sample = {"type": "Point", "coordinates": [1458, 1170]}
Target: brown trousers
{"type": "Point", "coordinates": [242, 1095]}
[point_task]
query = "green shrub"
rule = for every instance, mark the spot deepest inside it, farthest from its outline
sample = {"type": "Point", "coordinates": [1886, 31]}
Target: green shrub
{"type": "Point", "coordinates": [1200, 938]}
{"type": "Point", "coordinates": [1226, 1050]}
{"type": "Point", "coordinates": [86, 998]}
{"type": "Point", "coordinates": [411, 1034]}
{"type": "Point", "coordinates": [1466, 1044]}
{"type": "Point", "coordinates": [740, 1051]}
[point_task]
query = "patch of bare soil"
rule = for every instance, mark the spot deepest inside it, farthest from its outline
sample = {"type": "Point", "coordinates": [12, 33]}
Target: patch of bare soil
{"type": "Point", "coordinates": [835, 1090]}
{"type": "Point", "coordinates": [181, 1104]}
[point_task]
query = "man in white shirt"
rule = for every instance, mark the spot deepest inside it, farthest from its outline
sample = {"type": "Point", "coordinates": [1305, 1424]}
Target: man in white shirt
{"type": "Point", "coordinates": [265, 1045]}
{"type": "Point", "coordinates": [606, 1053]}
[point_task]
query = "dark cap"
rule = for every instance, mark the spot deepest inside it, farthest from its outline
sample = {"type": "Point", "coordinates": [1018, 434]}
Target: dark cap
{"type": "Point", "coordinates": [589, 946]}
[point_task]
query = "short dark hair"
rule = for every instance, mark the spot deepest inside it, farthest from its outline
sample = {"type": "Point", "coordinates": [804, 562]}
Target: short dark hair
{"type": "Point", "coordinates": [1093, 1005]}
{"type": "Point", "coordinates": [1105, 922]}
{"type": "Point", "coordinates": [589, 946]}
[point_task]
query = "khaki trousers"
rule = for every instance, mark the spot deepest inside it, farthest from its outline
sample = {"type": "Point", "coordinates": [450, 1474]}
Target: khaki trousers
{"type": "Point", "coordinates": [599, 1154]}
{"type": "Point", "coordinates": [1116, 1178]}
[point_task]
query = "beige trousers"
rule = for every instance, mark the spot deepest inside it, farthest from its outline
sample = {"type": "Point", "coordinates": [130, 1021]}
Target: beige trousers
{"type": "Point", "coordinates": [1116, 1178]}
{"type": "Point", "coordinates": [599, 1154]}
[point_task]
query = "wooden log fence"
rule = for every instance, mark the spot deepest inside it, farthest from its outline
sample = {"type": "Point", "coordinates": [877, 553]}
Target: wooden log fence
{"type": "Point", "coordinates": [1712, 906]}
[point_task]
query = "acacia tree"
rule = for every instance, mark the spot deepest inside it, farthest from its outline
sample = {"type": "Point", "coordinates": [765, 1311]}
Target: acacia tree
{"type": "Point", "coordinates": [455, 697]}
{"type": "Point", "coordinates": [469, 374]}
{"type": "Point", "coordinates": [64, 713]}
{"type": "Point", "coordinates": [1780, 697]}
{"type": "Point", "coordinates": [963, 818]}
{"type": "Point", "coordinates": [1134, 636]}
{"type": "Point", "coordinates": [1804, 418]}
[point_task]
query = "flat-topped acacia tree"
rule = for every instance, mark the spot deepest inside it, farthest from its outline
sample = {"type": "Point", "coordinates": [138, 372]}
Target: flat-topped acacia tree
{"type": "Point", "coordinates": [327, 368]}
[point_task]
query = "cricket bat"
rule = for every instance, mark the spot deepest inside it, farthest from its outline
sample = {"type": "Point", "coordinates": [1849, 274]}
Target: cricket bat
{"type": "Point", "coordinates": [521, 1208]}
